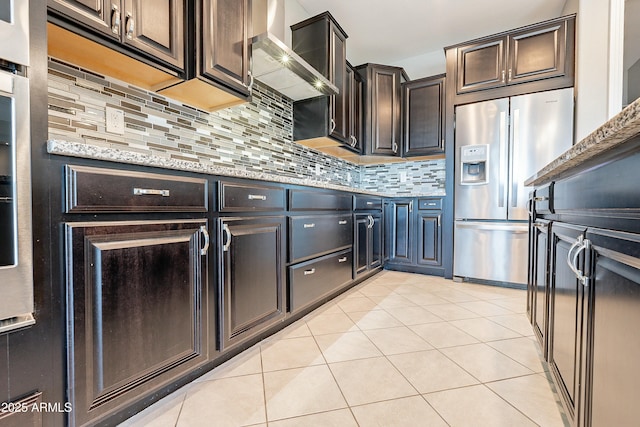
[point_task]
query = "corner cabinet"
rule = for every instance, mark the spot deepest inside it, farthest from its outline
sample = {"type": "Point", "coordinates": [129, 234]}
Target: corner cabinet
{"type": "Point", "coordinates": [423, 116]}
{"type": "Point", "coordinates": [382, 104]}
{"type": "Point", "coordinates": [368, 235]}
{"type": "Point", "coordinates": [536, 52]}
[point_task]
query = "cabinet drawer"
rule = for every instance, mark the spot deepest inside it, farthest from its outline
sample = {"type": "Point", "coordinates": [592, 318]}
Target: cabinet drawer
{"type": "Point", "coordinates": [90, 189]}
{"type": "Point", "coordinates": [311, 280]}
{"type": "Point", "coordinates": [309, 200]}
{"type": "Point", "coordinates": [543, 199]}
{"type": "Point", "coordinates": [316, 235]}
{"type": "Point", "coordinates": [431, 203]}
{"type": "Point", "coordinates": [367, 203]}
{"type": "Point", "coordinates": [240, 197]}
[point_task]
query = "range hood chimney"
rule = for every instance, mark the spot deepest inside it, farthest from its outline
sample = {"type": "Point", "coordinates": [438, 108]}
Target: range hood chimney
{"type": "Point", "coordinates": [277, 65]}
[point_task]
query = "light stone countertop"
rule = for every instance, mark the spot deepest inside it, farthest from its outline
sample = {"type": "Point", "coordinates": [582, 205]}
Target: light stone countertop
{"type": "Point", "coordinates": [614, 132]}
{"type": "Point", "coordinates": [87, 151]}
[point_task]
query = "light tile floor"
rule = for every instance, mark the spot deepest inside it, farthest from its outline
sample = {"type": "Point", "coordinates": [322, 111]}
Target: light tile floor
{"type": "Point", "coordinates": [397, 350]}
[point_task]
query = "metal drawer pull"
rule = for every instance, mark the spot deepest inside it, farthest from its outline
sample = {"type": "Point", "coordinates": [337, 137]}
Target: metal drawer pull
{"type": "Point", "coordinates": [130, 25]}
{"type": "Point", "coordinates": [150, 192]}
{"type": "Point", "coordinates": [369, 203]}
{"type": "Point", "coordinates": [578, 246]}
{"type": "Point", "coordinates": [115, 19]}
{"type": "Point", "coordinates": [540, 199]}
{"type": "Point", "coordinates": [309, 225]}
{"type": "Point", "coordinates": [343, 259]}
{"type": "Point", "coordinates": [342, 222]}
{"type": "Point", "coordinates": [205, 233]}
{"type": "Point", "coordinates": [256, 197]}
{"type": "Point", "coordinates": [227, 233]}
{"type": "Point", "coordinates": [309, 272]}
{"type": "Point", "coordinates": [432, 204]}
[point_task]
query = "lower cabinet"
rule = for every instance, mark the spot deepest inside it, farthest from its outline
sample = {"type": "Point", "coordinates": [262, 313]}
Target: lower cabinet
{"type": "Point", "coordinates": [137, 309]}
{"type": "Point", "coordinates": [251, 274]}
{"type": "Point", "coordinates": [539, 282]}
{"type": "Point", "coordinates": [367, 242]}
{"type": "Point", "coordinates": [414, 236]}
{"type": "Point", "coordinates": [310, 281]}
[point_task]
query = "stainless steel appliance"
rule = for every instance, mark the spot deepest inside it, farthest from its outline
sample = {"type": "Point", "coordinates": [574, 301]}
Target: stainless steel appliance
{"type": "Point", "coordinates": [499, 144]}
{"type": "Point", "coordinates": [16, 273]}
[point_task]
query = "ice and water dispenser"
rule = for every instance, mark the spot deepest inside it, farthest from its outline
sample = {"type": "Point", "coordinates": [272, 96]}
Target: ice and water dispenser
{"type": "Point", "coordinates": [473, 163]}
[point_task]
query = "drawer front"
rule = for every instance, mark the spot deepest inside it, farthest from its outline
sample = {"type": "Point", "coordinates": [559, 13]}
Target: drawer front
{"type": "Point", "coordinates": [310, 200]}
{"type": "Point", "coordinates": [239, 197]}
{"type": "Point", "coordinates": [90, 189]}
{"type": "Point", "coordinates": [310, 281]}
{"type": "Point", "coordinates": [367, 203]}
{"type": "Point", "coordinates": [543, 199]}
{"type": "Point", "coordinates": [430, 203]}
{"type": "Point", "coordinates": [315, 235]}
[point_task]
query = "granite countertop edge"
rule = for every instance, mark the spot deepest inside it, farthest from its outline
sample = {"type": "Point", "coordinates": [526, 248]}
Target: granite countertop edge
{"type": "Point", "coordinates": [88, 151]}
{"type": "Point", "coordinates": [614, 132]}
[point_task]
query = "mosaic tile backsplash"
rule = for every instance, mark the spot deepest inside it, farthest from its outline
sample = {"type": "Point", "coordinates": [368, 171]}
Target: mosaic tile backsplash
{"type": "Point", "coordinates": [255, 136]}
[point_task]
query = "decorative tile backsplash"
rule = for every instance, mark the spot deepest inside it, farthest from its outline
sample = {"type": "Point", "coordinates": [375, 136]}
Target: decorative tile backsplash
{"type": "Point", "coordinates": [255, 136]}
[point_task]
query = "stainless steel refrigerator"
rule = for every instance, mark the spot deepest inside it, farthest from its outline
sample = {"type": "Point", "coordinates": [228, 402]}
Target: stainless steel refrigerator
{"type": "Point", "coordinates": [499, 144]}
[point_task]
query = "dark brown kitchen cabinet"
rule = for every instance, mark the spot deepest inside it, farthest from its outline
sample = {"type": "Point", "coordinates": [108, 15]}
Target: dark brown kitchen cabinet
{"type": "Point", "coordinates": [251, 274]}
{"type": "Point", "coordinates": [423, 116]}
{"type": "Point", "coordinates": [400, 230]}
{"type": "Point", "coordinates": [536, 52]}
{"type": "Point", "coordinates": [539, 292]}
{"type": "Point", "coordinates": [137, 313]}
{"type": "Point", "coordinates": [157, 29]}
{"type": "Point", "coordinates": [367, 242]}
{"type": "Point", "coordinates": [382, 93]}
{"type": "Point", "coordinates": [321, 42]}
{"type": "Point", "coordinates": [566, 314]}
{"type": "Point", "coordinates": [430, 238]}
{"type": "Point", "coordinates": [354, 109]}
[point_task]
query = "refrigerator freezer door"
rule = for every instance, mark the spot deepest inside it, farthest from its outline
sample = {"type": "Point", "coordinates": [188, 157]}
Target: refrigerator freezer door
{"type": "Point", "coordinates": [541, 130]}
{"type": "Point", "coordinates": [492, 251]}
{"type": "Point", "coordinates": [483, 124]}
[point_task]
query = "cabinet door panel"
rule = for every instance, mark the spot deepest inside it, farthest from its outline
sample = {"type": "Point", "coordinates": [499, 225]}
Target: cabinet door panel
{"type": "Point", "coordinates": [430, 246]}
{"type": "Point", "coordinates": [423, 117]}
{"type": "Point", "coordinates": [252, 272]}
{"type": "Point", "coordinates": [540, 288]}
{"type": "Point", "coordinates": [614, 375]}
{"type": "Point", "coordinates": [537, 54]}
{"type": "Point", "coordinates": [401, 232]}
{"type": "Point", "coordinates": [94, 14]}
{"type": "Point", "coordinates": [339, 101]}
{"type": "Point", "coordinates": [385, 110]}
{"type": "Point", "coordinates": [360, 243]}
{"type": "Point", "coordinates": [156, 28]}
{"type": "Point", "coordinates": [225, 44]}
{"type": "Point", "coordinates": [136, 314]}
{"type": "Point", "coordinates": [481, 66]}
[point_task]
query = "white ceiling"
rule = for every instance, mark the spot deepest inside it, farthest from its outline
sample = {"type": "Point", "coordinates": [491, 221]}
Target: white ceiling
{"type": "Point", "coordinates": [413, 33]}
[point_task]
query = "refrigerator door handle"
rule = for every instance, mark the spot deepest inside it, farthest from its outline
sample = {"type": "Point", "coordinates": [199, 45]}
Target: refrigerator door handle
{"type": "Point", "coordinates": [513, 197]}
{"type": "Point", "coordinates": [514, 228]}
{"type": "Point", "coordinates": [503, 159]}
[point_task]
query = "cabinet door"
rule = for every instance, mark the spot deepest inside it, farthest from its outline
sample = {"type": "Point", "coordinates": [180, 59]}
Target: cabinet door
{"type": "Point", "coordinates": [539, 283]}
{"type": "Point", "coordinates": [566, 311]}
{"type": "Point", "coordinates": [225, 42]}
{"type": "Point", "coordinates": [430, 238]}
{"type": "Point", "coordinates": [339, 125]}
{"type": "Point", "coordinates": [537, 53]}
{"type": "Point", "coordinates": [251, 274]}
{"type": "Point", "coordinates": [423, 117]}
{"type": "Point", "coordinates": [103, 16]}
{"type": "Point", "coordinates": [136, 317]}
{"type": "Point", "coordinates": [615, 339]}
{"type": "Point", "coordinates": [481, 66]}
{"type": "Point", "coordinates": [361, 243]}
{"type": "Point", "coordinates": [354, 110]}
{"type": "Point", "coordinates": [385, 93]}
{"type": "Point", "coordinates": [156, 28]}
{"type": "Point", "coordinates": [401, 232]}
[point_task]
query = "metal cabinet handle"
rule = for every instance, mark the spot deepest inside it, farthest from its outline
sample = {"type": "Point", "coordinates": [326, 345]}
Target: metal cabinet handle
{"type": "Point", "coordinates": [308, 272]}
{"type": "Point", "coordinates": [343, 259]}
{"type": "Point", "coordinates": [369, 203]}
{"type": "Point", "coordinates": [394, 147]}
{"type": "Point", "coordinates": [370, 222]}
{"type": "Point", "coordinates": [503, 76]}
{"type": "Point", "coordinates": [540, 226]}
{"type": "Point", "coordinates": [342, 222]}
{"type": "Point", "coordinates": [578, 246]}
{"type": "Point", "coordinates": [115, 19]}
{"type": "Point", "coordinates": [256, 197]}
{"type": "Point", "coordinates": [309, 225]}
{"type": "Point", "coordinates": [205, 233]}
{"type": "Point", "coordinates": [251, 81]}
{"type": "Point", "coordinates": [411, 206]}
{"type": "Point", "coordinates": [150, 192]}
{"type": "Point", "coordinates": [333, 126]}
{"type": "Point", "coordinates": [227, 233]}
{"type": "Point", "coordinates": [130, 24]}
{"type": "Point", "coordinates": [354, 141]}
{"type": "Point", "coordinates": [540, 199]}
{"type": "Point", "coordinates": [510, 74]}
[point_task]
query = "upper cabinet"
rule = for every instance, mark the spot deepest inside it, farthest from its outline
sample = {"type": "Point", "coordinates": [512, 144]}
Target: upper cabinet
{"type": "Point", "coordinates": [196, 52]}
{"type": "Point", "coordinates": [354, 109]}
{"type": "Point", "coordinates": [423, 116]}
{"type": "Point", "coordinates": [322, 43]}
{"type": "Point", "coordinates": [382, 104]}
{"type": "Point", "coordinates": [533, 53]}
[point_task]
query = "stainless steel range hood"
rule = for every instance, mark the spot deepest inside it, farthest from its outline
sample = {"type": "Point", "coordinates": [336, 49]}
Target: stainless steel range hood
{"type": "Point", "coordinates": [276, 65]}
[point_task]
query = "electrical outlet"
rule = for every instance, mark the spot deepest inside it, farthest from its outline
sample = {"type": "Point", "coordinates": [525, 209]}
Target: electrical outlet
{"type": "Point", "coordinates": [115, 120]}
{"type": "Point", "coordinates": [402, 176]}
